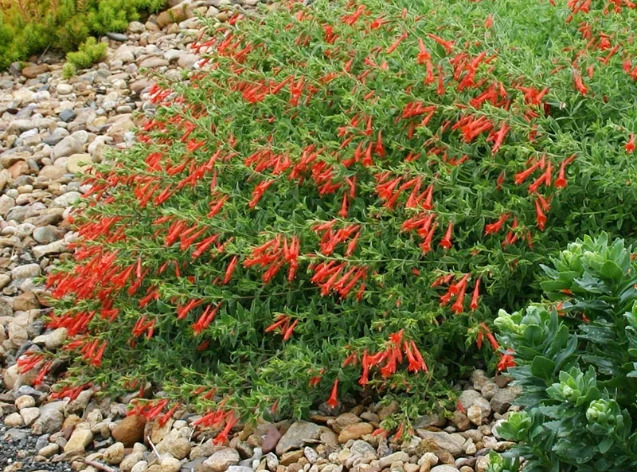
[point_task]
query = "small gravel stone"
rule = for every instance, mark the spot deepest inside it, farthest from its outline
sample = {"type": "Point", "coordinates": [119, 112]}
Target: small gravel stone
{"type": "Point", "coordinates": [66, 116]}
{"type": "Point", "coordinates": [29, 415]}
{"type": "Point", "coordinates": [24, 401]}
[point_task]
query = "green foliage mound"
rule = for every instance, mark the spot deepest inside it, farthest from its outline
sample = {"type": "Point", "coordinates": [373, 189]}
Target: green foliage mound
{"type": "Point", "coordinates": [29, 26]}
{"type": "Point", "coordinates": [339, 204]}
{"type": "Point", "coordinates": [578, 370]}
{"type": "Point", "coordinates": [89, 52]}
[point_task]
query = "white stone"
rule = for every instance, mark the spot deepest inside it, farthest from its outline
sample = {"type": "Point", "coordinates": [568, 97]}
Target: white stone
{"type": "Point", "coordinates": [64, 89]}
{"type": "Point", "coordinates": [24, 401]}
{"type": "Point", "coordinates": [29, 415]}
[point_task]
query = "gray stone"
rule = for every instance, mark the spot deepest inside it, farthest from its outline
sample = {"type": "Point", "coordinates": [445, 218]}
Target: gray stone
{"type": "Point", "coordinates": [178, 447]}
{"type": "Point", "coordinates": [222, 459]}
{"type": "Point", "coordinates": [444, 468]}
{"type": "Point", "coordinates": [6, 204]}
{"type": "Point", "coordinates": [53, 340]}
{"type": "Point", "coordinates": [46, 234]}
{"type": "Point", "coordinates": [68, 199]}
{"type": "Point", "coordinates": [451, 443]}
{"type": "Point", "coordinates": [300, 433]}
{"type": "Point", "coordinates": [125, 54]}
{"type": "Point", "coordinates": [153, 62]}
{"type": "Point", "coordinates": [56, 136]}
{"type": "Point", "coordinates": [239, 468]}
{"type": "Point", "coordinates": [468, 397]}
{"type": "Point", "coordinates": [387, 461]}
{"type": "Point", "coordinates": [26, 271]}
{"type": "Point", "coordinates": [310, 454]}
{"type": "Point", "coordinates": [503, 398]}
{"type": "Point", "coordinates": [51, 418]}
{"type": "Point", "coordinates": [66, 147]}
{"type": "Point", "coordinates": [186, 61]}
{"type": "Point", "coordinates": [54, 248]}
{"type": "Point", "coordinates": [363, 449]}
{"type": "Point", "coordinates": [67, 115]}
{"type": "Point", "coordinates": [117, 36]}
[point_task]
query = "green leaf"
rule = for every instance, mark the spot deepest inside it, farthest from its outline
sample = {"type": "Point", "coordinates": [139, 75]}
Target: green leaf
{"type": "Point", "coordinates": [611, 271]}
{"type": "Point", "coordinates": [543, 368]}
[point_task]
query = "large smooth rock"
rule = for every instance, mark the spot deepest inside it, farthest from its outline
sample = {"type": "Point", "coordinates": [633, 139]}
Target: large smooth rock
{"type": "Point", "coordinates": [300, 433]}
{"type": "Point", "coordinates": [68, 146]}
{"type": "Point", "coordinates": [51, 418]}
{"type": "Point", "coordinates": [355, 431]}
{"type": "Point", "coordinates": [32, 71]}
{"type": "Point", "coordinates": [130, 430]}
{"type": "Point", "coordinates": [222, 459]}
{"type": "Point", "coordinates": [503, 398]}
{"type": "Point", "coordinates": [451, 443]}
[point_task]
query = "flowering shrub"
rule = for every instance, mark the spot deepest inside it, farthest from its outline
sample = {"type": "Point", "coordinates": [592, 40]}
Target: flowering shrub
{"type": "Point", "coordinates": [578, 370]}
{"type": "Point", "coordinates": [340, 202]}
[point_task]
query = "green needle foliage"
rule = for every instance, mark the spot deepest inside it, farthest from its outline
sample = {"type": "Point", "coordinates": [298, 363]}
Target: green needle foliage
{"type": "Point", "coordinates": [27, 27]}
{"type": "Point", "coordinates": [340, 203]}
{"type": "Point", "coordinates": [89, 52]}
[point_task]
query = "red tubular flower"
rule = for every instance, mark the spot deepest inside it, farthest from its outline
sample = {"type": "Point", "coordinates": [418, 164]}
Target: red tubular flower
{"type": "Point", "coordinates": [205, 319]}
{"type": "Point", "coordinates": [455, 289]}
{"type": "Point", "coordinates": [258, 192]}
{"type": "Point", "coordinates": [287, 334]}
{"type": "Point", "coordinates": [498, 138]}
{"type": "Point", "coordinates": [561, 182]}
{"type": "Point", "coordinates": [475, 296]}
{"type": "Point", "coordinates": [365, 364]}
{"type": "Point", "coordinates": [343, 211]}
{"type": "Point", "coordinates": [163, 419]}
{"type": "Point", "coordinates": [222, 437]}
{"type": "Point", "coordinates": [506, 360]}
{"type": "Point", "coordinates": [443, 279]}
{"type": "Point", "coordinates": [202, 246]}
{"type": "Point", "coordinates": [579, 84]}
{"type": "Point", "coordinates": [520, 177]}
{"type": "Point", "coordinates": [426, 244]}
{"type": "Point", "coordinates": [458, 306]}
{"type": "Point", "coordinates": [230, 269]}
{"type": "Point", "coordinates": [396, 43]}
{"type": "Point", "coordinates": [496, 226]}
{"type": "Point", "coordinates": [280, 320]}
{"type": "Point", "coordinates": [351, 359]}
{"type": "Point", "coordinates": [630, 145]}
{"type": "Point", "coordinates": [332, 402]}
{"type": "Point", "coordinates": [423, 54]}
{"type": "Point", "coordinates": [540, 216]}
{"type": "Point", "coordinates": [494, 343]}
{"type": "Point", "coordinates": [447, 45]}
{"type": "Point", "coordinates": [440, 89]}
{"type": "Point", "coordinates": [479, 339]}
{"type": "Point", "coordinates": [446, 240]}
